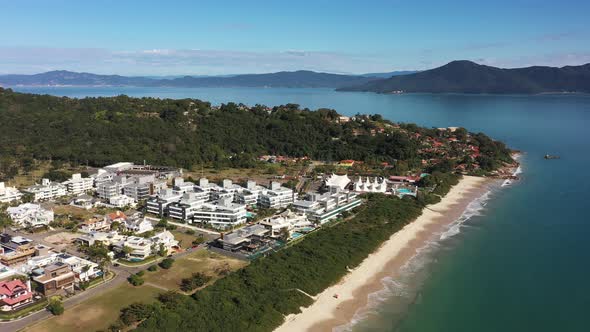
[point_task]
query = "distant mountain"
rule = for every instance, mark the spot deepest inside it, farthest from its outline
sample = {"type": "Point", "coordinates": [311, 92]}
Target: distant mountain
{"type": "Point", "coordinates": [391, 73]}
{"type": "Point", "coordinates": [295, 79]}
{"type": "Point", "coordinates": [64, 77]}
{"type": "Point", "coordinates": [469, 77]}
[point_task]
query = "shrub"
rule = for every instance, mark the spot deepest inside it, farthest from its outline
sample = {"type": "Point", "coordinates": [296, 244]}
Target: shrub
{"type": "Point", "coordinates": [190, 232]}
{"type": "Point", "coordinates": [135, 280]}
{"type": "Point", "coordinates": [195, 281]}
{"type": "Point", "coordinates": [166, 263]}
{"type": "Point", "coordinates": [153, 268]}
{"type": "Point", "coordinates": [55, 306]}
{"type": "Point", "coordinates": [140, 273]}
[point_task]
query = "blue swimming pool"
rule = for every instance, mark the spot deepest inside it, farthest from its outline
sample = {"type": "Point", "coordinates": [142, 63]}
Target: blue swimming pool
{"type": "Point", "coordinates": [295, 235]}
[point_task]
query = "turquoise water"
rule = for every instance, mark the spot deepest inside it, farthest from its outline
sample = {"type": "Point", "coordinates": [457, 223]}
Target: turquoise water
{"type": "Point", "coordinates": [519, 262]}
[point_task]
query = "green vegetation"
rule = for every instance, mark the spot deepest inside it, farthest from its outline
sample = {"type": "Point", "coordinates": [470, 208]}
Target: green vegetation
{"type": "Point", "coordinates": [135, 280]}
{"type": "Point", "coordinates": [257, 297]}
{"type": "Point", "coordinates": [98, 312]}
{"type": "Point", "coordinates": [55, 306]}
{"type": "Point", "coordinates": [153, 268]}
{"type": "Point", "coordinates": [195, 281]}
{"type": "Point", "coordinates": [166, 263]}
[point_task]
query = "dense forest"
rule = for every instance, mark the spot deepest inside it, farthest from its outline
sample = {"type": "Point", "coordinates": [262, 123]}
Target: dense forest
{"type": "Point", "coordinates": [189, 132]}
{"type": "Point", "coordinates": [257, 297]}
{"type": "Point", "coordinates": [470, 77]}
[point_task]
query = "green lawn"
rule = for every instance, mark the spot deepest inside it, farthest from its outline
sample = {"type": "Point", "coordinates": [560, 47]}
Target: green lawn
{"type": "Point", "coordinates": [97, 313]}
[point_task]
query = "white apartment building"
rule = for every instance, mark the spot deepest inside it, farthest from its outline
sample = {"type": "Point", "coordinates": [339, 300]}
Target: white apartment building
{"type": "Point", "coordinates": [78, 185]}
{"type": "Point", "coordinates": [207, 187]}
{"type": "Point", "coordinates": [158, 205]}
{"type": "Point", "coordinates": [320, 208]}
{"type": "Point", "coordinates": [9, 194]}
{"type": "Point", "coordinates": [108, 189]}
{"type": "Point", "coordinates": [30, 215]}
{"type": "Point", "coordinates": [46, 190]}
{"type": "Point", "coordinates": [188, 204]}
{"type": "Point", "coordinates": [276, 197]}
{"type": "Point", "coordinates": [249, 195]}
{"type": "Point", "coordinates": [227, 190]}
{"type": "Point", "coordinates": [224, 214]}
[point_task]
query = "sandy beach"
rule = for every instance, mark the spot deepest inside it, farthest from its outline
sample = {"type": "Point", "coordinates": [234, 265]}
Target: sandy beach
{"type": "Point", "coordinates": [328, 312]}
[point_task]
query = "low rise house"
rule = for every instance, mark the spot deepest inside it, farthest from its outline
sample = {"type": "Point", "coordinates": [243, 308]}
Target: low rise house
{"type": "Point", "coordinates": [46, 190]}
{"type": "Point", "coordinates": [15, 250]}
{"type": "Point", "coordinates": [105, 238]}
{"type": "Point", "coordinates": [30, 215]}
{"type": "Point", "coordinates": [287, 221]}
{"type": "Point", "coordinates": [138, 224]}
{"type": "Point", "coordinates": [14, 294]}
{"type": "Point", "coordinates": [244, 239]}
{"type": "Point", "coordinates": [9, 194]}
{"type": "Point", "coordinates": [122, 201]}
{"type": "Point", "coordinates": [117, 216]}
{"type": "Point", "coordinates": [95, 224]}
{"type": "Point", "coordinates": [164, 240]}
{"type": "Point", "coordinates": [78, 185]}
{"type": "Point", "coordinates": [84, 270]}
{"type": "Point", "coordinates": [84, 201]}
{"type": "Point", "coordinates": [140, 248]}
{"type": "Point", "coordinates": [55, 278]}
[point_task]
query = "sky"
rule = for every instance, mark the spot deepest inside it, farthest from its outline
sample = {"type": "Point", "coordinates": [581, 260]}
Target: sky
{"type": "Point", "coordinates": [222, 37]}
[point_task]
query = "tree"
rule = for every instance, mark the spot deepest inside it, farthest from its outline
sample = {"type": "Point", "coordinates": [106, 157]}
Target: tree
{"type": "Point", "coordinates": [162, 251]}
{"type": "Point", "coordinates": [135, 280]}
{"type": "Point", "coordinates": [166, 263]}
{"type": "Point", "coordinates": [55, 306]}
{"type": "Point", "coordinates": [5, 221]}
{"type": "Point", "coordinates": [126, 251]}
{"type": "Point", "coordinates": [99, 253]}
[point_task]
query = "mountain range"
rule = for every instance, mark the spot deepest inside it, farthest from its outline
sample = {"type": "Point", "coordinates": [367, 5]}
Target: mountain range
{"type": "Point", "coordinates": [290, 79]}
{"type": "Point", "coordinates": [469, 77]}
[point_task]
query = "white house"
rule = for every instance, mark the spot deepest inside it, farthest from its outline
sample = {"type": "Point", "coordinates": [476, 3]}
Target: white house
{"type": "Point", "coordinates": [165, 239]}
{"type": "Point", "coordinates": [141, 248]}
{"type": "Point", "coordinates": [78, 185]}
{"type": "Point", "coordinates": [47, 190]}
{"type": "Point", "coordinates": [122, 201]}
{"type": "Point", "coordinates": [9, 194]}
{"type": "Point", "coordinates": [288, 221]}
{"type": "Point", "coordinates": [138, 224]}
{"type": "Point", "coordinates": [30, 215]}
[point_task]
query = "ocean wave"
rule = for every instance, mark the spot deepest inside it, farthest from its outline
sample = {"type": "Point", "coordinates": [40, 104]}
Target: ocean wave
{"type": "Point", "coordinates": [405, 287]}
{"type": "Point", "coordinates": [474, 208]}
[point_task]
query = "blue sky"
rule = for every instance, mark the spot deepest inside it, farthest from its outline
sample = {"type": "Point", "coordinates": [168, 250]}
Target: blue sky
{"type": "Point", "coordinates": [227, 37]}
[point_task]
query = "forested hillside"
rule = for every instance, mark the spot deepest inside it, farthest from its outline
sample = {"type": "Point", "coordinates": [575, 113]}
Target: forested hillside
{"type": "Point", "coordinates": [189, 132]}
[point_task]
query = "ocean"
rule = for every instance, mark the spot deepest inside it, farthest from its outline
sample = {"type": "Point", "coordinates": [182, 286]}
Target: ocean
{"type": "Point", "coordinates": [517, 260]}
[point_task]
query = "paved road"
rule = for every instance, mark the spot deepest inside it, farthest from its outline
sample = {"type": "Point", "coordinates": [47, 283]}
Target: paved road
{"type": "Point", "coordinates": [68, 303]}
{"type": "Point", "coordinates": [122, 272]}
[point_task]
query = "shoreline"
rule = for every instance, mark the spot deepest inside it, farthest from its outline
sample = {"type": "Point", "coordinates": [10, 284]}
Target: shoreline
{"type": "Point", "coordinates": [353, 290]}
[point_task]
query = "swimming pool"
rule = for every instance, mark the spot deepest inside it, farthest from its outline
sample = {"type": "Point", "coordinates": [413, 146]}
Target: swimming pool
{"type": "Point", "coordinates": [295, 235]}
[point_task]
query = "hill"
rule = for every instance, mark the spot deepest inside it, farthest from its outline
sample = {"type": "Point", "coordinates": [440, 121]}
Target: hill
{"type": "Point", "coordinates": [469, 77]}
{"type": "Point", "coordinates": [294, 79]}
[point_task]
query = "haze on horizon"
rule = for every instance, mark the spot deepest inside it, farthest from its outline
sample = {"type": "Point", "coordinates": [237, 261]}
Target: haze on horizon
{"type": "Point", "coordinates": [234, 37]}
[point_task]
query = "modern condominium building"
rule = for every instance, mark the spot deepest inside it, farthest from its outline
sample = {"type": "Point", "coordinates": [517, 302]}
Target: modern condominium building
{"type": "Point", "coordinates": [46, 190]}
{"type": "Point", "coordinates": [276, 197]}
{"type": "Point", "coordinates": [78, 185]}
